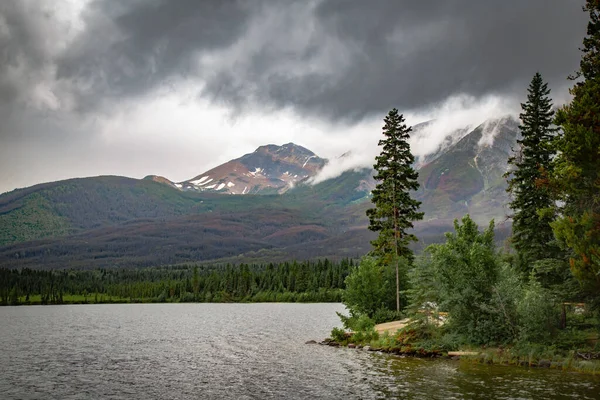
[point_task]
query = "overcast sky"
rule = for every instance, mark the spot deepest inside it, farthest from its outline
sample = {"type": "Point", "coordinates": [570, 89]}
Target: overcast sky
{"type": "Point", "coordinates": [175, 87]}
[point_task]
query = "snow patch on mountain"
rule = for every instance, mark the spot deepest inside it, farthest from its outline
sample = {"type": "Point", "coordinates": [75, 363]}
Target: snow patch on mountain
{"type": "Point", "coordinates": [307, 160]}
{"type": "Point", "coordinates": [199, 181]}
{"type": "Point", "coordinates": [204, 183]}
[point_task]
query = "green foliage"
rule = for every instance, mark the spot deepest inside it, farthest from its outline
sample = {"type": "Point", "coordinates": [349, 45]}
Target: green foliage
{"type": "Point", "coordinates": [339, 335]}
{"type": "Point", "coordinates": [423, 293]}
{"type": "Point", "coordinates": [320, 281]}
{"type": "Point", "coordinates": [590, 60]}
{"type": "Point", "coordinates": [577, 165]}
{"type": "Point", "coordinates": [450, 341]}
{"type": "Point", "coordinates": [362, 327]}
{"type": "Point", "coordinates": [507, 292]}
{"type": "Point", "coordinates": [528, 182]}
{"type": "Point", "coordinates": [369, 288]}
{"type": "Point", "coordinates": [365, 336]}
{"type": "Point", "coordinates": [394, 210]}
{"type": "Point", "coordinates": [581, 234]}
{"type": "Point", "coordinates": [538, 314]}
{"type": "Point", "coordinates": [466, 271]}
{"type": "Point", "coordinates": [555, 275]}
{"type": "Point", "coordinates": [432, 339]}
{"type": "Point", "coordinates": [386, 315]}
{"type": "Point", "coordinates": [31, 218]}
{"type": "Point", "coordinates": [357, 322]}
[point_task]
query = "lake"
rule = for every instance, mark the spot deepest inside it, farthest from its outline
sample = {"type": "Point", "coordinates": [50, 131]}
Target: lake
{"type": "Point", "coordinates": [233, 351]}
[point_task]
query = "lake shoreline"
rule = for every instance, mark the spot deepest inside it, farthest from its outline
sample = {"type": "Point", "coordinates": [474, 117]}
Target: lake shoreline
{"type": "Point", "coordinates": [115, 302]}
{"type": "Point", "coordinates": [502, 357]}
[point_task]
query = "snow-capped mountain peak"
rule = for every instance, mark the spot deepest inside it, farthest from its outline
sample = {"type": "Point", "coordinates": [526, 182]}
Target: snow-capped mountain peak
{"type": "Point", "coordinates": [269, 169]}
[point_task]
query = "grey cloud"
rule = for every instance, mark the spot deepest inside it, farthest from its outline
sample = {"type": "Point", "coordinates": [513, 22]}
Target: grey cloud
{"type": "Point", "coordinates": [22, 50]}
{"type": "Point", "coordinates": [354, 58]}
{"type": "Point", "coordinates": [339, 59]}
{"type": "Point", "coordinates": [409, 54]}
{"type": "Point", "coordinates": [128, 51]}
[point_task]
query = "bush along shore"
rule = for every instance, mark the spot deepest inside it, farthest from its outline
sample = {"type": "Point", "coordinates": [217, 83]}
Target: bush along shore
{"type": "Point", "coordinates": [418, 340]}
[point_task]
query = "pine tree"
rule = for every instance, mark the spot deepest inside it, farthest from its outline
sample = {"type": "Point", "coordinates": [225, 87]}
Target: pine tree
{"type": "Point", "coordinates": [532, 234]}
{"type": "Point", "coordinates": [195, 282]}
{"type": "Point", "coordinates": [577, 165]}
{"type": "Point", "coordinates": [395, 209]}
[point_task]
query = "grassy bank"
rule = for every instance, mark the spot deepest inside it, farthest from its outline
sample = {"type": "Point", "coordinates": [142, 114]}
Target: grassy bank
{"type": "Point", "coordinates": [573, 350]}
{"type": "Point", "coordinates": [321, 296]}
{"type": "Point", "coordinates": [539, 356]}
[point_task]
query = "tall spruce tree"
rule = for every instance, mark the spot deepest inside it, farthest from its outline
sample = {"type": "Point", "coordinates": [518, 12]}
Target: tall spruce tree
{"type": "Point", "coordinates": [395, 209]}
{"type": "Point", "coordinates": [577, 165]}
{"type": "Point", "coordinates": [532, 234]}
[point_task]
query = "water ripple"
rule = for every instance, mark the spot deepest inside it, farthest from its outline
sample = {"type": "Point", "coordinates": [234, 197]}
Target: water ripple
{"type": "Point", "coordinates": [232, 351]}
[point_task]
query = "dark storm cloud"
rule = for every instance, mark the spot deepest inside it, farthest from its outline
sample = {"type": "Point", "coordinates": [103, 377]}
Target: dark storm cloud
{"type": "Point", "coordinates": [21, 49]}
{"type": "Point", "coordinates": [474, 47]}
{"type": "Point", "coordinates": [411, 53]}
{"type": "Point", "coordinates": [127, 51]}
{"type": "Point", "coordinates": [333, 58]}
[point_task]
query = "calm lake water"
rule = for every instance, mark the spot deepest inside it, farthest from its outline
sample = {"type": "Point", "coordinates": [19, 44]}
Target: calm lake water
{"type": "Point", "coordinates": [232, 351]}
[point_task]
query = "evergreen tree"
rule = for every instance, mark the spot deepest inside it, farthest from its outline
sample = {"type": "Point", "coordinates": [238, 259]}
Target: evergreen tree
{"type": "Point", "coordinates": [395, 209]}
{"type": "Point", "coordinates": [195, 283]}
{"type": "Point", "coordinates": [532, 234]}
{"type": "Point", "coordinates": [577, 165]}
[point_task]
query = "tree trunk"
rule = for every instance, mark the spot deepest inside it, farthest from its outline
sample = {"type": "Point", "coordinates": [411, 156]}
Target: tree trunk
{"type": "Point", "coordinates": [396, 252]}
{"type": "Point", "coordinates": [397, 282]}
{"type": "Point", "coordinates": [563, 317]}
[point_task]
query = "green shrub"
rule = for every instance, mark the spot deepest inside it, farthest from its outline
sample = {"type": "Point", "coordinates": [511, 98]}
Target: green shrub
{"type": "Point", "coordinates": [466, 270]}
{"type": "Point", "coordinates": [338, 334]}
{"type": "Point", "coordinates": [538, 314]}
{"type": "Point", "coordinates": [384, 315]}
{"type": "Point", "coordinates": [357, 322]}
{"type": "Point", "coordinates": [450, 341]}
{"type": "Point", "coordinates": [368, 288]}
{"type": "Point", "coordinates": [574, 339]}
{"type": "Point", "coordinates": [365, 336]}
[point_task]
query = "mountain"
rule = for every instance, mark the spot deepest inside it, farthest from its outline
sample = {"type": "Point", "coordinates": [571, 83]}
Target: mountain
{"type": "Point", "coordinates": [115, 221]}
{"type": "Point", "coordinates": [268, 170]}
{"type": "Point", "coordinates": [468, 176]}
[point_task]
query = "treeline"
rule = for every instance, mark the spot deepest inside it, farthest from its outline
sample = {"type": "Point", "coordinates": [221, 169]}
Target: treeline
{"type": "Point", "coordinates": [309, 281]}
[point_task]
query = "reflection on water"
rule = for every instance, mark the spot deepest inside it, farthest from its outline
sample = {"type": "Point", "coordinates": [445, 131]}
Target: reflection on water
{"type": "Point", "coordinates": [241, 351]}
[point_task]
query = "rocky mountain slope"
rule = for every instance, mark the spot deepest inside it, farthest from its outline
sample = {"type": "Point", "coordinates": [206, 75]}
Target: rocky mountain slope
{"type": "Point", "coordinates": [268, 170]}
{"type": "Point", "coordinates": [468, 176]}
